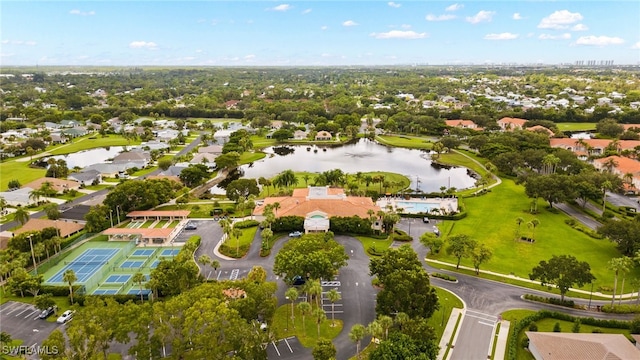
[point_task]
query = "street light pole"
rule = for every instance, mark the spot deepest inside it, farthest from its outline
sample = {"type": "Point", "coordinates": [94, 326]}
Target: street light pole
{"type": "Point", "coordinates": [118, 212]}
{"type": "Point", "coordinates": [33, 255]}
{"type": "Point", "coordinates": [285, 329]}
{"type": "Point", "coordinates": [111, 216]}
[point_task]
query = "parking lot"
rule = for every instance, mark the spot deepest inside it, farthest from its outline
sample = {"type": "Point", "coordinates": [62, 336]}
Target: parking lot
{"type": "Point", "coordinates": [21, 321]}
{"type": "Point", "coordinates": [289, 348]}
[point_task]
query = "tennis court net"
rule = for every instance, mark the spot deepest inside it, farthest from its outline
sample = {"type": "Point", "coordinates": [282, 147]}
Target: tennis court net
{"type": "Point", "coordinates": [96, 263]}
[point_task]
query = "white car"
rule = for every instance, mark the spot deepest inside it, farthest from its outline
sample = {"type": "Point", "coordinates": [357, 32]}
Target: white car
{"type": "Point", "coordinates": [66, 316]}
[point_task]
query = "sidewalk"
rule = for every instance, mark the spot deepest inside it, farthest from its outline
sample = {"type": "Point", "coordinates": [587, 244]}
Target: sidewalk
{"type": "Point", "coordinates": [448, 331]}
{"type": "Point", "coordinates": [501, 342]}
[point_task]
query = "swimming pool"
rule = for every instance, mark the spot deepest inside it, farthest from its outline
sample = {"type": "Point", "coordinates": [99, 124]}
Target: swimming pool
{"type": "Point", "coordinates": [415, 207]}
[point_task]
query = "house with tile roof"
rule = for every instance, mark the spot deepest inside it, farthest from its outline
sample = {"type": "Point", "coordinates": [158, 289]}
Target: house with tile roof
{"type": "Point", "coordinates": [65, 228]}
{"type": "Point", "coordinates": [624, 167]}
{"type": "Point", "coordinates": [59, 185]}
{"type": "Point", "coordinates": [463, 124]}
{"type": "Point", "coordinates": [323, 135]}
{"type": "Point", "coordinates": [580, 346]}
{"type": "Point", "coordinates": [511, 124]}
{"type": "Point", "coordinates": [317, 204]}
{"type": "Point", "coordinates": [541, 129]}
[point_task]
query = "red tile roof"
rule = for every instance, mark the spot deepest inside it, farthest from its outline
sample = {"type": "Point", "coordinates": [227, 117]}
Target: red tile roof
{"type": "Point", "coordinates": [159, 213]}
{"type": "Point", "coordinates": [66, 227]}
{"type": "Point", "coordinates": [144, 232]}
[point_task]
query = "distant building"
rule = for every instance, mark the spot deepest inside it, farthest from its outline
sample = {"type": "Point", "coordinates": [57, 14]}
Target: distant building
{"type": "Point", "coordinates": [463, 124]}
{"type": "Point", "coordinates": [511, 124]}
{"type": "Point", "coordinates": [65, 228]}
{"type": "Point", "coordinates": [87, 177]}
{"type": "Point", "coordinates": [59, 185]}
{"type": "Point", "coordinates": [323, 136]}
{"type": "Point", "coordinates": [566, 346]}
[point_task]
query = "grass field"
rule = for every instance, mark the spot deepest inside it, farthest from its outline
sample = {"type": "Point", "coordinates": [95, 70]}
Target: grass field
{"type": "Point", "coordinates": [447, 301]}
{"type": "Point", "coordinates": [20, 171]}
{"type": "Point", "coordinates": [571, 126]}
{"type": "Point", "coordinates": [249, 157]}
{"type": "Point", "coordinates": [283, 326]}
{"type": "Point", "coordinates": [377, 244]}
{"type": "Point", "coordinates": [237, 248]}
{"type": "Point", "coordinates": [92, 141]}
{"type": "Point", "coordinates": [405, 142]}
{"type": "Point", "coordinates": [492, 220]}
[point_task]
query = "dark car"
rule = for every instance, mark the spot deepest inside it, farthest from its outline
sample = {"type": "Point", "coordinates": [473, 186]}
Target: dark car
{"type": "Point", "coordinates": [190, 227]}
{"type": "Point", "coordinates": [48, 312]}
{"type": "Point", "coordinates": [298, 280]}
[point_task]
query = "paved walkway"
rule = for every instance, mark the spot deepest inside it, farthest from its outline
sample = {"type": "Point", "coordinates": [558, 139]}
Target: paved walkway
{"type": "Point", "coordinates": [501, 346]}
{"type": "Point", "coordinates": [449, 332]}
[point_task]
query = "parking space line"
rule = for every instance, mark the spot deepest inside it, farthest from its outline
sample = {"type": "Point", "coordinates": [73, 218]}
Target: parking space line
{"type": "Point", "coordinates": [289, 346]}
{"type": "Point", "coordinates": [275, 347]}
{"type": "Point", "coordinates": [22, 312]}
{"type": "Point", "coordinates": [16, 307]}
{"type": "Point", "coordinates": [8, 307]}
{"type": "Point", "coordinates": [31, 314]}
{"type": "Point", "coordinates": [234, 274]}
{"type": "Point", "coordinates": [484, 323]}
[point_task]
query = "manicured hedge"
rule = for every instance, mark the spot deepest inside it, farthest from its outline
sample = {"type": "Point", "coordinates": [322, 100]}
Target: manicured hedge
{"type": "Point", "coordinates": [622, 309]}
{"type": "Point", "coordinates": [59, 290]}
{"type": "Point", "coordinates": [288, 223]}
{"type": "Point", "coordinates": [550, 300]}
{"type": "Point", "coordinates": [444, 276]}
{"type": "Point", "coordinates": [246, 224]}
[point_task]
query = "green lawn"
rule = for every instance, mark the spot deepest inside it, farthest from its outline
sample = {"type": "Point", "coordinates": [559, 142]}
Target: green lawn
{"type": "Point", "coordinates": [571, 126]}
{"type": "Point", "coordinates": [92, 141]}
{"type": "Point", "coordinates": [405, 142]}
{"type": "Point", "coordinates": [98, 187]}
{"type": "Point", "coordinates": [144, 172]}
{"type": "Point", "coordinates": [447, 301]}
{"type": "Point", "coordinates": [20, 171]}
{"type": "Point", "coordinates": [377, 244]}
{"type": "Point", "coordinates": [283, 326]}
{"type": "Point", "coordinates": [249, 157]}
{"type": "Point", "coordinates": [147, 223]}
{"type": "Point", "coordinates": [492, 220]}
{"type": "Point", "coordinates": [260, 142]}
{"type": "Point", "coordinates": [161, 223]}
{"type": "Point", "coordinates": [237, 248]}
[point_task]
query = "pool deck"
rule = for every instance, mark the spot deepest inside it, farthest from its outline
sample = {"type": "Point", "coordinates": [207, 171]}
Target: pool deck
{"type": "Point", "coordinates": [448, 204]}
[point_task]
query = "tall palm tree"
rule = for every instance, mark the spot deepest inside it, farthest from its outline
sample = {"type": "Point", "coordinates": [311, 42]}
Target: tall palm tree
{"type": "Point", "coordinates": [306, 178]}
{"type": "Point", "coordinates": [139, 278]}
{"type": "Point", "coordinates": [628, 265]}
{"type": "Point", "coordinates": [519, 221]}
{"type": "Point", "coordinates": [533, 224]}
{"type": "Point", "coordinates": [386, 322]}
{"type": "Point", "coordinates": [292, 295]}
{"type": "Point", "coordinates": [237, 233]}
{"type": "Point", "coordinates": [215, 264]}
{"type": "Point", "coordinates": [320, 316]}
{"type": "Point", "coordinates": [606, 185]}
{"type": "Point", "coordinates": [276, 206]}
{"type": "Point", "coordinates": [356, 335]}
{"type": "Point", "coordinates": [333, 295]}
{"type": "Point", "coordinates": [616, 265]}
{"type": "Point", "coordinates": [70, 277]}
{"type": "Point", "coordinates": [315, 290]}
{"type": "Point", "coordinates": [305, 309]}
{"type": "Point", "coordinates": [21, 215]}
{"type": "Point", "coordinates": [35, 195]}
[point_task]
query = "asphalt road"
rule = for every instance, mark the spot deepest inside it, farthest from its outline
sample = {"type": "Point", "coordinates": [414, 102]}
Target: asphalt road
{"type": "Point", "coordinates": [22, 322]}
{"type": "Point", "coordinates": [474, 337]}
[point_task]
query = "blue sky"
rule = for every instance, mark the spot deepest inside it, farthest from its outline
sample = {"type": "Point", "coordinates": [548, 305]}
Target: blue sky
{"type": "Point", "coordinates": [294, 33]}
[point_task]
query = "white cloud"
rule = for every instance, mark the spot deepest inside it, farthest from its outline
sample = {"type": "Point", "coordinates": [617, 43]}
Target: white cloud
{"type": "Point", "coordinates": [565, 36]}
{"type": "Point", "coordinates": [82, 13]}
{"type": "Point", "coordinates": [599, 40]}
{"type": "Point", "coordinates": [560, 19]}
{"type": "Point", "coordinates": [393, 5]}
{"type": "Point", "coordinates": [445, 17]}
{"type": "Point", "coordinates": [636, 45]}
{"type": "Point", "coordinates": [579, 27]}
{"type": "Point", "coordinates": [19, 42]}
{"type": "Point", "coordinates": [249, 57]}
{"type": "Point", "coordinates": [481, 16]}
{"type": "Point", "coordinates": [282, 7]}
{"type": "Point", "coordinates": [454, 7]}
{"type": "Point", "coordinates": [324, 27]}
{"type": "Point", "coordinates": [405, 26]}
{"type": "Point", "coordinates": [399, 34]}
{"type": "Point", "coordinates": [516, 16]}
{"type": "Point", "coordinates": [143, 45]}
{"type": "Point", "coordinates": [349, 23]}
{"type": "Point", "coordinates": [306, 11]}
{"type": "Point", "coordinates": [501, 36]}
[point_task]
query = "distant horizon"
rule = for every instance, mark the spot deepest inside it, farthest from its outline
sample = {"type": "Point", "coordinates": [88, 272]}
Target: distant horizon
{"type": "Point", "coordinates": [211, 33]}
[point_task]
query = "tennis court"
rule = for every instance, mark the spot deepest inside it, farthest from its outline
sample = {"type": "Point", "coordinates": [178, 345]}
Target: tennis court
{"type": "Point", "coordinates": [105, 292]}
{"type": "Point", "coordinates": [155, 264]}
{"type": "Point", "coordinates": [143, 252]}
{"type": "Point", "coordinates": [86, 265]}
{"type": "Point", "coordinates": [170, 252]}
{"type": "Point", "coordinates": [118, 279]}
{"type": "Point", "coordinates": [130, 264]}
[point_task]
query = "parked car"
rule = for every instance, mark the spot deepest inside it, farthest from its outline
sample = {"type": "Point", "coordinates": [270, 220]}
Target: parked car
{"type": "Point", "coordinates": [298, 280]}
{"type": "Point", "coordinates": [190, 226]}
{"type": "Point", "coordinates": [66, 316]}
{"type": "Point", "coordinates": [48, 311]}
{"type": "Point", "coordinates": [295, 234]}
{"type": "Point", "coordinates": [425, 220]}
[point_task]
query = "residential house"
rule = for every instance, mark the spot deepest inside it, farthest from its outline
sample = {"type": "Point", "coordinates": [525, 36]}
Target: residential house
{"type": "Point", "coordinates": [511, 124]}
{"type": "Point", "coordinates": [462, 124]}
{"type": "Point", "coordinates": [51, 126]}
{"type": "Point", "coordinates": [300, 135]}
{"type": "Point", "coordinates": [323, 135]}
{"type": "Point", "coordinates": [211, 149]}
{"type": "Point", "coordinates": [65, 228]}
{"type": "Point", "coordinates": [174, 170]}
{"type": "Point", "coordinates": [112, 170]}
{"type": "Point", "coordinates": [86, 177]}
{"type": "Point", "coordinates": [70, 123]}
{"type": "Point", "coordinates": [565, 346]}
{"type": "Point", "coordinates": [75, 132]}
{"type": "Point", "coordinates": [591, 147]}
{"type": "Point", "coordinates": [231, 104]}
{"type": "Point", "coordinates": [541, 129]}
{"type": "Point", "coordinates": [152, 145]}
{"type": "Point", "coordinates": [57, 138]}
{"type": "Point", "coordinates": [59, 185]}
{"type": "Point", "coordinates": [19, 197]}
{"type": "Point", "coordinates": [206, 159]}
{"type": "Point", "coordinates": [624, 167]}
{"type": "Point", "coordinates": [142, 158]}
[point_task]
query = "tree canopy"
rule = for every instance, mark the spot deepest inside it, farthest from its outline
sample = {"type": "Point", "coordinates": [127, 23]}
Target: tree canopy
{"type": "Point", "coordinates": [317, 256]}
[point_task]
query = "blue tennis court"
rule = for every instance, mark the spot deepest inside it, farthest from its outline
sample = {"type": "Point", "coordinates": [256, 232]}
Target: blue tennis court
{"type": "Point", "coordinates": [105, 292]}
{"type": "Point", "coordinates": [143, 252]}
{"type": "Point", "coordinates": [137, 292]}
{"type": "Point", "coordinates": [170, 252]}
{"type": "Point", "coordinates": [86, 265]}
{"type": "Point", "coordinates": [118, 279]}
{"type": "Point", "coordinates": [155, 264]}
{"type": "Point", "coordinates": [131, 264]}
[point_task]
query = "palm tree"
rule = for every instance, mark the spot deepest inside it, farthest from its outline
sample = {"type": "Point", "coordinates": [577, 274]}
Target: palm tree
{"type": "Point", "coordinates": [139, 278]}
{"type": "Point", "coordinates": [306, 178]}
{"type": "Point", "coordinates": [519, 221]}
{"type": "Point", "coordinates": [237, 233]}
{"type": "Point", "coordinates": [549, 163]}
{"type": "Point", "coordinates": [628, 264]}
{"type": "Point", "coordinates": [386, 322]}
{"type": "Point", "coordinates": [356, 335]}
{"type": "Point", "coordinates": [315, 289]}
{"type": "Point", "coordinates": [333, 295]}
{"type": "Point", "coordinates": [375, 329]}
{"type": "Point", "coordinates": [320, 316]}
{"type": "Point", "coordinates": [215, 264]}
{"type": "Point", "coordinates": [276, 206]}
{"type": "Point", "coordinates": [35, 195]}
{"type": "Point", "coordinates": [70, 277]}
{"type": "Point", "coordinates": [292, 295]}
{"type": "Point", "coordinates": [304, 308]}
{"type": "Point", "coordinates": [606, 185]}
{"type": "Point", "coordinates": [610, 164]}
{"type": "Point", "coordinates": [205, 260]}
{"type": "Point", "coordinates": [533, 224]}
{"type": "Point", "coordinates": [21, 215]}
{"type": "Point", "coordinates": [618, 265]}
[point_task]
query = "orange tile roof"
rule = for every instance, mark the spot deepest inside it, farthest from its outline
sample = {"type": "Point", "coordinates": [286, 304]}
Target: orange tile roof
{"type": "Point", "coordinates": [630, 126]}
{"type": "Point", "coordinates": [160, 213]}
{"type": "Point", "coordinates": [569, 346]}
{"type": "Point", "coordinates": [299, 205]}
{"type": "Point", "coordinates": [66, 227]}
{"type": "Point", "coordinates": [460, 123]}
{"type": "Point", "coordinates": [594, 143]}
{"type": "Point", "coordinates": [625, 165]}
{"type": "Point", "coordinates": [516, 121]}
{"type": "Point", "coordinates": [541, 128]}
{"type": "Point", "coordinates": [144, 232]}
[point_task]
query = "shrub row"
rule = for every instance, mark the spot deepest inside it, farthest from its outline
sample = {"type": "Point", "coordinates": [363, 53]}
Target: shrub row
{"type": "Point", "coordinates": [444, 276]}
{"type": "Point", "coordinates": [246, 224]}
{"type": "Point", "coordinates": [550, 300]}
{"type": "Point", "coordinates": [518, 326]}
{"type": "Point", "coordinates": [404, 237]}
{"type": "Point", "coordinates": [375, 252]}
{"type": "Point", "coordinates": [120, 298]}
{"type": "Point", "coordinates": [59, 290]}
{"type": "Point", "coordinates": [575, 225]}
